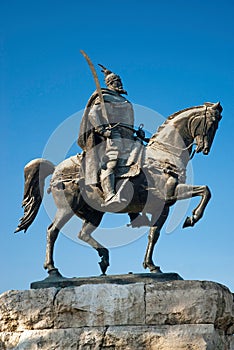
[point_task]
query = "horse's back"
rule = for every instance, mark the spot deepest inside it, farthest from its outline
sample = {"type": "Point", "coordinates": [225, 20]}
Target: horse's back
{"type": "Point", "coordinates": [68, 169]}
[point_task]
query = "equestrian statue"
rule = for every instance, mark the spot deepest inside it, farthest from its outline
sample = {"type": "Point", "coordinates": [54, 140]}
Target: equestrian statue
{"type": "Point", "coordinates": [122, 171]}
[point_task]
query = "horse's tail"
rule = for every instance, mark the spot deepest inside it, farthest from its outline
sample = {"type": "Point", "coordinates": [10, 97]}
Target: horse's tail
{"type": "Point", "coordinates": [35, 173]}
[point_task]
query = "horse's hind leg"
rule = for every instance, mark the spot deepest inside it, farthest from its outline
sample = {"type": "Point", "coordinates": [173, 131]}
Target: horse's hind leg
{"type": "Point", "coordinates": [85, 235]}
{"type": "Point", "coordinates": [153, 237]}
{"type": "Point", "coordinates": [61, 218]}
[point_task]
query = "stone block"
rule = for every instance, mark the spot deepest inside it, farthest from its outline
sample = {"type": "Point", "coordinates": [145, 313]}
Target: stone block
{"type": "Point", "coordinates": [28, 309]}
{"type": "Point", "coordinates": [9, 340]}
{"type": "Point", "coordinates": [100, 305]}
{"type": "Point", "coordinates": [189, 302]}
{"type": "Point", "coordinates": [179, 337]}
{"type": "Point", "coordinates": [61, 339]}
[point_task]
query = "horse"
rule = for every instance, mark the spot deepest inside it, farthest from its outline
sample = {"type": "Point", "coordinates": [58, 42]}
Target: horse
{"type": "Point", "coordinates": [160, 182]}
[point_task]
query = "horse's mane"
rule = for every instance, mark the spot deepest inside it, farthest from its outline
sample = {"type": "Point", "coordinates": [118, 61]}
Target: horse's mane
{"type": "Point", "coordinates": [174, 115]}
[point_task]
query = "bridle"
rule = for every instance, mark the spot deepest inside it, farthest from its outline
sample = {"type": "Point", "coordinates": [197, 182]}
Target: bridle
{"type": "Point", "coordinates": [203, 133]}
{"type": "Point", "coordinates": [167, 147]}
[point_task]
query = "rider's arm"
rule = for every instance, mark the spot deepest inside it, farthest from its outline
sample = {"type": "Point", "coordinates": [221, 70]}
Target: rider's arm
{"type": "Point", "coordinates": [95, 117]}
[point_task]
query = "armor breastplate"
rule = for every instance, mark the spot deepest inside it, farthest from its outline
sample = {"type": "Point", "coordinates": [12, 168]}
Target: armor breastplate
{"type": "Point", "coordinates": [120, 112]}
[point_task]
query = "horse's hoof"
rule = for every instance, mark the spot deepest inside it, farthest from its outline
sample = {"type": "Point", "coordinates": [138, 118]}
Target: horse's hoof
{"type": "Point", "coordinates": [188, 222]}
{"type": "Point", "coordinates": [103, 265]}
{"type": "Point", "coordinates": [156, 269]}
{"type": "Point", "coordinates": [54, 273]}
{"type": "Point", "coordinates": [103, 253]}
{"type": "Point", "coordinates": [152, 268]}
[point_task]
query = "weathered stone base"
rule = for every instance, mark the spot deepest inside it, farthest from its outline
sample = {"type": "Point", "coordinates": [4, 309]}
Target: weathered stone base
{"type": "Point", "coordinates": [179, 337]}
{"type": "Point", "coordinates": [174, 315]}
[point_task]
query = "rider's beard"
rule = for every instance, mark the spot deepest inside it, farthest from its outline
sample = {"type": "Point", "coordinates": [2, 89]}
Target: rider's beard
{"type": "Point", "coordinates": [118, 89]}
{"type": "Point", "coordinates": [121, 91]}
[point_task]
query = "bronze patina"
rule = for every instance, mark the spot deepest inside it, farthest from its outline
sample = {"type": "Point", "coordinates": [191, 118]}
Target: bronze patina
{"type": "Point", "coordinates": [142, 177]}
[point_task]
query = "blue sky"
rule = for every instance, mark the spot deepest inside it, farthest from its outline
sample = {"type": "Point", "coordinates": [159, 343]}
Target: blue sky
{"type": "Point", "coordinates": [170, 55]}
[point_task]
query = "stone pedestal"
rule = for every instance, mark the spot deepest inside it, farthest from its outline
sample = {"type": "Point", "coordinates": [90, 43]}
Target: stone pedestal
{"type": "Point", "coordinates": [171, 315]}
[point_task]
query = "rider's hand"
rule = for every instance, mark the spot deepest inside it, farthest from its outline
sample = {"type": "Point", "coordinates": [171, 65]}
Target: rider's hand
{"type": "Point", "coordinates": [106, 132]}
{"type": "Point", "coordinates": [141, 134]}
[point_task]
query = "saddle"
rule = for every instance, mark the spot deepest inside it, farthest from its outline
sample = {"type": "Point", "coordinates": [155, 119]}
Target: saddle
{"type": "Point", "coordinates": [75, 171]}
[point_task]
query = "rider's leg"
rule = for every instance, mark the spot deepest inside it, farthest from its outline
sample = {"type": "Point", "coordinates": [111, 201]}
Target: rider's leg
{"type": "Point", "coordinates": [108, 173]}
{"type": "Point", "coordinates": [108, 180]}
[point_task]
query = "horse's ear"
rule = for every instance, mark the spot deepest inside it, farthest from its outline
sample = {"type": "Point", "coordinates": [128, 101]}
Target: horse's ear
{"type": "Point", "coordinates": [216, 105]}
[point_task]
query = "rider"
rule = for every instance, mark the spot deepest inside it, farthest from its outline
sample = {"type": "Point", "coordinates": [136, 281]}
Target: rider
{"type": "Point", "coordinates": [117, 131]}
{"type": "Point", "coordinates": [93, 126]}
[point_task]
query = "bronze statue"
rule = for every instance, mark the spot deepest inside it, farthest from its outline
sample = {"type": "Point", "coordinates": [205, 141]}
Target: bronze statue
{"type": "Point", "coordinates": [157, 178]}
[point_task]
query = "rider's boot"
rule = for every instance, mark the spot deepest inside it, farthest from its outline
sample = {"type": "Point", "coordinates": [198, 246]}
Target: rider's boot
{"type": "Point", "coordinates": [108, 186]}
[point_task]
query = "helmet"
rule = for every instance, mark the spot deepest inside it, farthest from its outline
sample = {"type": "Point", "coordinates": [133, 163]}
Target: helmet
{"type": "Point", "coordinates": [109, 76]}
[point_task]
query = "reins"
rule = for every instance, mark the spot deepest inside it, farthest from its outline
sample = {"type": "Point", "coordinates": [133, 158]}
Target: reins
{"type": "Point", "coordinates": [164, 146]}
{"type": "Point", "coordinates": [203, 132]}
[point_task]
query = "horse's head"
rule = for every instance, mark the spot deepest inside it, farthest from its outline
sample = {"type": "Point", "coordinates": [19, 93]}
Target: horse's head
{"type": "Point", "coordinates": [204, 125]}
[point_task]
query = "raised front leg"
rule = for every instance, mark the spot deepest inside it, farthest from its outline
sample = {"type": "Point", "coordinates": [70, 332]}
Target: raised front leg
{"type": "Point", "coordinates": [187, 191]}
{"type": "Point", "coordinates": [153, 237]}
